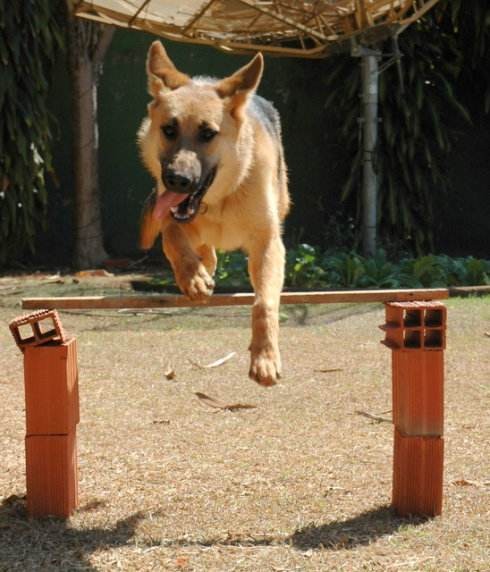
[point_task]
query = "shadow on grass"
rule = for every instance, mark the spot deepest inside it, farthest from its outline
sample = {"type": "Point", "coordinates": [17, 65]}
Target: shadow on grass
{"type": "Point", "coordinates": [50, 543]}
{"type": "Point", "coordinates": [338, 535]}
{"type": "Point", "coordinates": [358, 530]}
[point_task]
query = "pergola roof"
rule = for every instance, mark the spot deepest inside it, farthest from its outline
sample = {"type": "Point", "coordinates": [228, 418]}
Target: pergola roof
{"type": "Point", "coordinates": [313, 28]}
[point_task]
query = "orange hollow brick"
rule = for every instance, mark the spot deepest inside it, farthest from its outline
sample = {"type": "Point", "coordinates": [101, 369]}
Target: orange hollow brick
{"type": "Point", "coordinates": [415, 331]}
{"type": "Point", "coordinates": [51, 388]}
{"type": "Point", "coordinates": [415, 325]}
{"type": "Point", "coordinates": [417, 475]}
{"type": "Point", "coordinates": [418, 392]}
{"type": "Point", "coordinates": [45, 326]}
{"type": "Point", "coordinates": [51, 473]}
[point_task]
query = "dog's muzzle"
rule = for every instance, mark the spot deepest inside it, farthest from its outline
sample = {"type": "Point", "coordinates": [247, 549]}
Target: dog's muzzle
{"type": "Point", "coordinates": [178, 183]}
{"type": "Point", "coordinates": [187, 208]}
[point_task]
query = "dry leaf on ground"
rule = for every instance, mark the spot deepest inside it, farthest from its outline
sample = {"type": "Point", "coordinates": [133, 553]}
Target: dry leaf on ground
{"type": "Point", "coordinates": [216, 363]}
{"type": "Point", "coordinates": [328, 370]}
{"type": "Point", "coordinates": [376, 418]}
{"type": "Point", "coordinates": [212, 402]}
{"type": "Point", "coordinates": [169, 373]}
{"type": "Point", "coordinates": [464, 483]}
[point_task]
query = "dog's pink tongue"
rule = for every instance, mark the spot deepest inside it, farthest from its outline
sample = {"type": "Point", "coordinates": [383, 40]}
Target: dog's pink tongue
{"type": "Point", "coordinates": [165, 202]}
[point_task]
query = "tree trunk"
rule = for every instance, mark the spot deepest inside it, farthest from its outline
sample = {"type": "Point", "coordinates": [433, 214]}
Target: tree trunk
{"type": "Point", "coordinates": [88, 44]}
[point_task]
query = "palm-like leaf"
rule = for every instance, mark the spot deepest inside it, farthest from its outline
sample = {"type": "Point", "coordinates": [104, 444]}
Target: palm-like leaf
{"type": "Point", "coordinates": [418, 125]}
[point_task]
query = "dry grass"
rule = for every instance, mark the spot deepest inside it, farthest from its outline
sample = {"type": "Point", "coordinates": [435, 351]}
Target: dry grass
{"type": "Point", "coordinates": [301, 482]}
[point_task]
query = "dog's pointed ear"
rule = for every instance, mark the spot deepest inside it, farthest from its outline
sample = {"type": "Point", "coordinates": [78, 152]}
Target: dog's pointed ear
{"type": "Point", "coordinates": [242, 84]}
{"type": "Point", "coordinates": [162, 73]}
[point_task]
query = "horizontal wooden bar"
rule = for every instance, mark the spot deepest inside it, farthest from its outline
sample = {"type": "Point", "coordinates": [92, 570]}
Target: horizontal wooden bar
{"type": "Point", "coordinates": [469, 290]}
{"type": "Point", "coordinates": [178, 301]}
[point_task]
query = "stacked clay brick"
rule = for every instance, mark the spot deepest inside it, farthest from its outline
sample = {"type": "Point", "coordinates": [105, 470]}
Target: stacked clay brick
{"type": "Point", "coordinates": [416, 333]}
{"type": "Point", "coordinates": [52, 413]}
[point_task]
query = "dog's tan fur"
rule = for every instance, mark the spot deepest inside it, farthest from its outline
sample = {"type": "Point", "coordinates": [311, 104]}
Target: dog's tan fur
{"type": "Point", "coordinates": [246, 203]}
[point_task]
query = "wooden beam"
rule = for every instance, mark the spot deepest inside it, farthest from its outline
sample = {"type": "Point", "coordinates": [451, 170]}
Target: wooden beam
{"type": "Point", "coordinates": [178, 301]}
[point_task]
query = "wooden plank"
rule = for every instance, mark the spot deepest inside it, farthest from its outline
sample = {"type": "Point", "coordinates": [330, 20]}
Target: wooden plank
{"type": "Point", "coordinates": [469, 290]}
{"type": "Point", "coordinates": [178, 301]}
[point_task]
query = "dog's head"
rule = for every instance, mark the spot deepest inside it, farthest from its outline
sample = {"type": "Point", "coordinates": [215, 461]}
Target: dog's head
{"type": "Point", "coordinates": [192, 126]}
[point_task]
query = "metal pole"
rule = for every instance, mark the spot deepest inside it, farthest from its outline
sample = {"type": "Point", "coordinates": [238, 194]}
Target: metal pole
{"type": "Point", "coordinates": [369, 66]}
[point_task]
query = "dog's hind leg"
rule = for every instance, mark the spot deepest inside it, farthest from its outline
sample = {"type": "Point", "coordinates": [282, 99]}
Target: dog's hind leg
{"type": "Point", "coordinates": [266, 269]}
{"type": "Point", "coordinates": [190, 272]}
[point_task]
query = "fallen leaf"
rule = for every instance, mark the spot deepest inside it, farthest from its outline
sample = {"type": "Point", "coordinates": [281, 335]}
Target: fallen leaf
{"type": "Point", "coordinates": [376, 418]}
{"type": "Point", "coordinates": [94, 272]}
{"type": "Point", "coordinates": [329, 370]}
{"type": "Point", "coordinates": [463, 483]}
{"type": "Point", "coordinates": [161, 421]}
{"type": "Point", "coordinates": [169, 373]}
{"type": "Point", "coordinates": [212, 402]}
{"type": "Point", "coordinates": [487, 334]}
{"type": "Point", "coordinates": [216, 363]}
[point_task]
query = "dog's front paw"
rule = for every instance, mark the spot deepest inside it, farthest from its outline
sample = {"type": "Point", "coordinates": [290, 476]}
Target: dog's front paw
{"type": "Point", "coordinates": [265, 366]}
{"type": "Point", "coordinates": [196, 285]}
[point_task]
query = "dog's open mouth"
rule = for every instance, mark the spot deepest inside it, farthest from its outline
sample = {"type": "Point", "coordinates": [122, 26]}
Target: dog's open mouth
{"type": "Point", "coordinates": [183, 207]}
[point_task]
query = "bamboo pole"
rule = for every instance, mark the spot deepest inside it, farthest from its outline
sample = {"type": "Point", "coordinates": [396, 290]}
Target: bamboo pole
{"type": "Point", "coordinates": [369, 68]}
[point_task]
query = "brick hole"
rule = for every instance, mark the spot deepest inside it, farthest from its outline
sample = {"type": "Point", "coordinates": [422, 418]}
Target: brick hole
{"type": "Point", "coordinates": [25, 332]}
{"type": "Point", "coordinates": [412, 339]}
{"type": "Point", "coordinates": [433, 318]}
{"type": "Point", "coordinates": [47, 327]}
{"type": "Point", "coordinates": [433, 339]}
{"type": "Point", "coordinates": [412, 318]}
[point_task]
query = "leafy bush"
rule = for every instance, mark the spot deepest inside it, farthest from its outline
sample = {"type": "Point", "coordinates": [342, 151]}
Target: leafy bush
{"type": "Point", "coordinates": [443, 80]}
{"type": "Point", "coordinates": [303, 269]}
{"type": "Point", "coordinates": [422, 272]}
{"type": "Point", "coordinates": [308, 268]}
{"type": "Point", "coordinates": [232, 269]}
{"type": "Point", "coordinates": [30, 39]}
{"type": "Point", "coordinates": [345, 270]}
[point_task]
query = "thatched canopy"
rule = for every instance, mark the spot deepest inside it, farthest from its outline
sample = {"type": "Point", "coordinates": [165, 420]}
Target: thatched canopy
{"type": "Point", "coordinates": [311, 28]}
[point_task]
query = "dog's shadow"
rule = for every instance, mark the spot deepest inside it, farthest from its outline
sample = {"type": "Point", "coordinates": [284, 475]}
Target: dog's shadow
{"type": "Point", "coordinates": [50, 543]}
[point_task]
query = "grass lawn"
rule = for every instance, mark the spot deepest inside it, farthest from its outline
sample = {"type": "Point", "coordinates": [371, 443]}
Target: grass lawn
{"type": "Point", "coordinates": [300, 482]}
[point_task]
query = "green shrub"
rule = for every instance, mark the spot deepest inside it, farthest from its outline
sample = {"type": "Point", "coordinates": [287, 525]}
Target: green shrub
{"type": "Point", "coordinates": [303, 269]}
{"type": "Point", "coordinates": [231, 270]}
{"type": "Point", "coordinates": [308, 268]}
{"type": "Point", "coordinates": [31, 37]}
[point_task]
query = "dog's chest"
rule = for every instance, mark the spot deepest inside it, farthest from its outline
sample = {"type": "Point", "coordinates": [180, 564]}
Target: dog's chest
{"type": "Point", "coordinates": [222, 229]}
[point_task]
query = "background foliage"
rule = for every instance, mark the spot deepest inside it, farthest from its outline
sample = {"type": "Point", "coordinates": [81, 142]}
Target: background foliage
{"type": "Point", "coordinates": [321, 142]}
{"type": "Point", "coordinates": [309, 267]}
{"type": "Point", "coordinates": [445, 70]}
{"type": "Point", "coordinates": [30, 37]}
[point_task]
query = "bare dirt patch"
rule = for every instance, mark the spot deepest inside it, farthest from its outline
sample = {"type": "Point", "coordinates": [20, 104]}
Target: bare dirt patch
{"type": "Point", "coordinates": [300, 480]}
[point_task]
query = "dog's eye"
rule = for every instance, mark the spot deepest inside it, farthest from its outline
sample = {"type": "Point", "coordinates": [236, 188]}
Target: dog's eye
{"type": "Point", "coordinates": [170, 131]}
{"type": "Point", "coordinates": [206, 134]}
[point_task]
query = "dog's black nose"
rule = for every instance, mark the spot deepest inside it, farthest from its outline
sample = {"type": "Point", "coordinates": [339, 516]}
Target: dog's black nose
{"type": "Point", "coordinates": [176, 182]}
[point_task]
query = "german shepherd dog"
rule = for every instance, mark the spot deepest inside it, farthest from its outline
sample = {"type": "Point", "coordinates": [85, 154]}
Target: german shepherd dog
{"type": "Point", "coordinates": [214, 149]}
